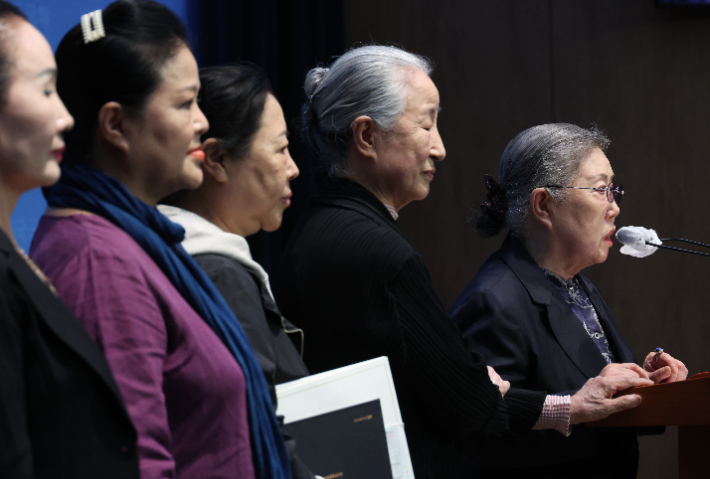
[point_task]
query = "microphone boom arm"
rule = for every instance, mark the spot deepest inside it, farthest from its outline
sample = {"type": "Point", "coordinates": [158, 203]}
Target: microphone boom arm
{"type": "Point", "coordinates": [686, 240]}
{"type": "Point", "coordinates": [679, 249]}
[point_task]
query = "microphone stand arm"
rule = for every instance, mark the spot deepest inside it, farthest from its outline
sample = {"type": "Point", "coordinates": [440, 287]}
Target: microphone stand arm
{"type": "Point", "coordinates": [678, 249]}
{"type": "Point", "coordinates": [687, 241]}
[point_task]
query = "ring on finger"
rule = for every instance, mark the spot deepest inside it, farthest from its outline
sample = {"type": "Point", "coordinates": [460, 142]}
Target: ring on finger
{"type": "Point", "coordinates": [658, 352]}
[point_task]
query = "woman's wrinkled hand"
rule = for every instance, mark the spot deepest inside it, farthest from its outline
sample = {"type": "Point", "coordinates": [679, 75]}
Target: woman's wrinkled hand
{"type": "Point", "coordinates": [623, 370]}
{"type": "Point", "coordinates": [498, 381]}
{"type": "Point", "coordinates": [666, 369]}
{"type": "Point", "coordinates": [595, 400]}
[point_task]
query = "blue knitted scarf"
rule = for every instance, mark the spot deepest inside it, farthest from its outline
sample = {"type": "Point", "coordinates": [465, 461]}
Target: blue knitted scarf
{"type": "Point", "coordinates": [92, 190]}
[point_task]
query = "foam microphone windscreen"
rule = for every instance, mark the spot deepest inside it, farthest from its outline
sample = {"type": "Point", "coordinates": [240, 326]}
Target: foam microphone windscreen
{"type": "Point", "coordinates": [635, 238]}
{"type": "Point", "coordinates": [629, 236]}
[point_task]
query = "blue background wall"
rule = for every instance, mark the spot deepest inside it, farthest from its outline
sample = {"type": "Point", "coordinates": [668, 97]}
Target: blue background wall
{"type": "Point", "coordinates": [54, 18]}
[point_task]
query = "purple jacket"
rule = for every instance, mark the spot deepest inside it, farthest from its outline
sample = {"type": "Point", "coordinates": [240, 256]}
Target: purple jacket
{"type": "Point", "coordinates": [184, 391]}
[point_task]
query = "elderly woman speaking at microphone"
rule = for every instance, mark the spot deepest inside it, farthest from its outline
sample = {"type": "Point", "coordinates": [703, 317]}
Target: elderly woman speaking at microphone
{"type": "Point", "coordinates": [531, 315]}
{"type": "Point", "coordinates": [352, 281]}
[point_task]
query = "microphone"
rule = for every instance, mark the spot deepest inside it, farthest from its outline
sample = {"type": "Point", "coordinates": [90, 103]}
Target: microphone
{"type": "Point", "coordinates": [640, 242]}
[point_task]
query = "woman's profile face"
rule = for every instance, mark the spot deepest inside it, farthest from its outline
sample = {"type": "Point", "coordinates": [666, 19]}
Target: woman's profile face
{"type": "Point", "coordinates": [165, 135]}
{"type": "Point", "coordinates": [585, 221]}
{"type": "Point", "coordinates": [259, 182]}
{"type": "Point", "coordinates": [410, 153]}
{"type": "Point", "coordinates": [32, 117]}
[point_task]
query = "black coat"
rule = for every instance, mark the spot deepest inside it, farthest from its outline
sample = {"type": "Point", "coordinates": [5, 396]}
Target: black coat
{"type": "Point", "coordinates": [352, 281]}
{"type": "Point", "coordinates": [61, 413]}
{"type": "Point", "coordinates": [512, 314]}
{"type": "Point", "coordinates": [269, 333]}
{"type": "Point", "coordinates": [276, 342]}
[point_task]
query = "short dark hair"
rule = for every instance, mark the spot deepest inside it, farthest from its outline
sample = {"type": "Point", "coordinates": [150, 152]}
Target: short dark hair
{"type": "Point", "coordinates": [8, 11]}
{"type": "Point", "coordinates": [232, 97]}
{"type": "Point", "coordinates": [124, 66]}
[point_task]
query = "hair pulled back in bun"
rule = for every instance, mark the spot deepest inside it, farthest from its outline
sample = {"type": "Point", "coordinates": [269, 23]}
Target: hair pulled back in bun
{"type": "Point", "coordinates": [543, 155]}
{"type": "Point", "coordinates": [368, 81]}
{"type": "Point", "coordinates": [124, 66]}
{"type": "Point", "coordinates": [490, 220]}
{"type": "Point", "coordinates": [314, 78]}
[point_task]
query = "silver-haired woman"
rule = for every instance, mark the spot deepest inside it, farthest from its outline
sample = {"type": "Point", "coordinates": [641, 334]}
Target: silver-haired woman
{"type": "Point", "coordinates": [351, 279]}
{"type": "Point", "coordinates": [530, 313]}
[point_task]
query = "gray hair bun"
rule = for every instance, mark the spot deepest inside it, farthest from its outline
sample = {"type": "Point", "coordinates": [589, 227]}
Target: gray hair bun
{"type": "Point", "coordinates": [313, 80]}
{"type": "Point", "coordinates": [548, 154]}
{"type": "Point", "coordinates": [366, 81]}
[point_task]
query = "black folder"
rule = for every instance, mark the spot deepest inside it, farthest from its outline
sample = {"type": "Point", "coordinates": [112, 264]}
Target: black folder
{"type": "Point", "coordinates": [349, 443]}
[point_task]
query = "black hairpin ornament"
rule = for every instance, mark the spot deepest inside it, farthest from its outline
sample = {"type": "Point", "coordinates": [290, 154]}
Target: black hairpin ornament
{"type": "Point", "coordinates": [496, 203]}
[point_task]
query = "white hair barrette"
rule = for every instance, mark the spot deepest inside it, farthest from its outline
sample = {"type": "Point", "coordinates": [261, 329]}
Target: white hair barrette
{"type": "Point", "coordinates": [92, 26]}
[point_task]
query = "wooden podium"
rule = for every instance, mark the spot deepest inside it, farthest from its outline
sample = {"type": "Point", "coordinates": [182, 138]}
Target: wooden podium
{"type": "Point", "coordinates": [684, 404]}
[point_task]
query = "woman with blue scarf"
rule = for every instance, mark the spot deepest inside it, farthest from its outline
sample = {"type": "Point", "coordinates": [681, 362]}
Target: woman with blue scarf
{"type": "Point", "coordinates": [191, 383]}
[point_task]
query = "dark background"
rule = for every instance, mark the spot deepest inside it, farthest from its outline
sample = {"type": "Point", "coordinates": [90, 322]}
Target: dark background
{"type": "Point", "coordinates": [638, 71]}
{"type": "Point", "coordinates": [286, 38]}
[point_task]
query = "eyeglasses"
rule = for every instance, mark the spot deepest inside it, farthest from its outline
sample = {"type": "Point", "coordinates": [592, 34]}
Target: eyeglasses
{"type": "Point", "coordinates": [613, 192]}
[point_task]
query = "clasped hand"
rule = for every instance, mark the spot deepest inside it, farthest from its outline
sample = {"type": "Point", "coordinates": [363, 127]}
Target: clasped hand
{"type": "Point", "coordinates": [498, 381]}
{"type": "Point", "coordinates": [596, 400]}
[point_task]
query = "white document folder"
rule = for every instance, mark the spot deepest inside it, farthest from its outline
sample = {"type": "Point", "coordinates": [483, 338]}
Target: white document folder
{"type": "Point", "coordinates": [349, 386]}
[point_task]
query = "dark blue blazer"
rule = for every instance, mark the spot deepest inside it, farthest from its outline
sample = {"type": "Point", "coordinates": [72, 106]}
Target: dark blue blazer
{"type": "Point", "coordinates": [512, 314]}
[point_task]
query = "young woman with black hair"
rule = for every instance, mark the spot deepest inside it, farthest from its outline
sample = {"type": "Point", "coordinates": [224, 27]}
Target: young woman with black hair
{"type": "Point", "coordinates": [61, 413]}
{"type": "Point", "coordinates": [185, 367]}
